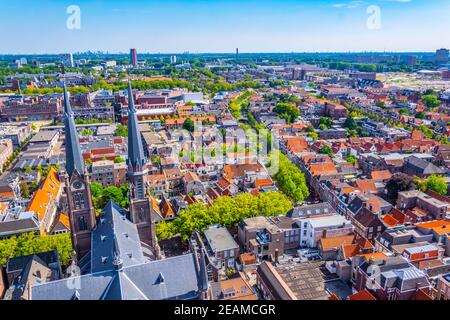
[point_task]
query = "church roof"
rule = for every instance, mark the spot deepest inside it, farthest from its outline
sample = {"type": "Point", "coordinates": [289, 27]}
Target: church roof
{"type": "Point", "coordinates": [116, 239]}
{"type": "Point", "coordinates": [115, 230]}
{"type": "Point", "coordinates": [143, 281]}
{"type": "Point", "coordinates": [136, 155]}
{"type": "Point", "coordinates": [74, 158]}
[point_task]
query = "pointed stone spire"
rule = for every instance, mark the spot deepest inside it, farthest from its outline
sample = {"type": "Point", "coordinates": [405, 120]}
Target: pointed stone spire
{"type": "Point", "coordinates": [74, 159]}
{"type": "Point", "coordinates": [204, 283]}
{"type": "Point", "coordinates": [136, 157]}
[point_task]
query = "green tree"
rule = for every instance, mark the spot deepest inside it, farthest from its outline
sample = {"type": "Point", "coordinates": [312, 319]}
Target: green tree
{"type": "Point", "coordinates": [350, 123]}
{"type": "Point", "coordinates": [325, 121]}
{"type": "Point", "coordinates": [403, 111]}
{"type": "Point", "coordinates": [119, 159]}
{"type": "Point", "coordinates": [229, 272]}
{"type": "Point", "coordinates": [227, 211]}
{"type": "Point", "coordinates": [431, 101]}
{"type": "Point", "coordinates": [121, 131]}
{"type": "Point", "coordinates": [29, 243]}
{"type": "Point", "coordinates": [420, 115]}
{"type": "Point", "coordinates": [351, 159]}
{"type": "Point", "coordinates": [189, 125]}
{"type": "Point", "coordinates": [25, 191]}
{"type": "Point", "coordinates": [313, 135]}
{"type": "Point", "coordinates": [399, 182]}
{"type": "Point", "coordinates": [289, 178]}
{"type": "Point", "coordinates": [326, 150]}
{"type": "Point", "coordinates": [287, 111]}
{"type": "Point", "coordinates": [437, 183]}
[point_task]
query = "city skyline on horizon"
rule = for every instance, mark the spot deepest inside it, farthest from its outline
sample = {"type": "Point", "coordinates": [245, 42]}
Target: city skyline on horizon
{"type": "Point", "coordinates": [175, 26]}
{"type": "Point", "coordinates": [231, 53]}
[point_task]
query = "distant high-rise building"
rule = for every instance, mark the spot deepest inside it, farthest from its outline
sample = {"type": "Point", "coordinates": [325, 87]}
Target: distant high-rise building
{"type": "Point", "coordinates": [446, 74]}
{"type": "Point", "coordinates": [237, 53]}
{"type": "Point", "coordinates": [173, 59]}
{"type": "Point", "coordinates": [133, 57]}
{"type": "Point", "coordinates": [441, 56]}
{"type": "Point", "coordinates": [67, 60]}
{"type": "Point", "coordinates": [408, 60]}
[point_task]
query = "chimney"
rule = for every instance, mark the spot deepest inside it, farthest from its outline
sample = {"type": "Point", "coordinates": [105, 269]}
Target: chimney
{"type": "Point", "coordinates": [276, 255]}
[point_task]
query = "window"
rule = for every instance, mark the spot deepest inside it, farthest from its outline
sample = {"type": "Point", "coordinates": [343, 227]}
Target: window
{"type": "Point", "coordinates": [78, 201]}
{"type": "Point", "coordinates": [82, 224]}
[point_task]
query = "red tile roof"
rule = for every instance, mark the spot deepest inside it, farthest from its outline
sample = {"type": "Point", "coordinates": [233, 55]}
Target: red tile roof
{"type": "Point", "coordinates": [362, 295]}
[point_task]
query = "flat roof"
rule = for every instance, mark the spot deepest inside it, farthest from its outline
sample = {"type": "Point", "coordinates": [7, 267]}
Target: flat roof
{"type": "Point", "coordinates": [306, 280]}
{"type": "Point", "coordinates": [44, 136]}
{"type": "Point", "coordinates": [332, 220]}
{"type": "Point", "coordinates": [220, 239]}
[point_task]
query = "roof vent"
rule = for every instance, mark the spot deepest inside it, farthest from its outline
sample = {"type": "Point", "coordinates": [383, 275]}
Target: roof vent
{"type": "Point", "coordinates": [102, 238]}
{"type": "Point", "coordinates": [76, 295]}
{"type": "Point", "coordinates": [104, 260]}
{"type": "Point", "coordinates": [160, 279]}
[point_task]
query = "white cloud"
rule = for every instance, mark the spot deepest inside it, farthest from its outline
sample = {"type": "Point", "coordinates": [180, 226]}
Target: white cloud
{"type": "Point", "coordinates": [350, 5]}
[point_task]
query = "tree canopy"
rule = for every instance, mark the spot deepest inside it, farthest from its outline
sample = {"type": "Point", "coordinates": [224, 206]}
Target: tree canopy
{"type": "Point", "coordinates": [29, 243]}
{"type": "Point", "coordinates": [227, 211]}
{"type": "Point", "coordinates": [399, 182]}
{"type": "Point", "coordinates": [287, 111]}
{"type": "Point", "coordinates": [188, 125]}
{"type": "Point", "coordinates": [431, 101]}
{"type": "Point", "coordinates": [326, 149]}
{"type": "Point", "coordinates": [350, 123]}
{"type": "Point", "coordinates": [121, 131]}
{"type": "Point", "coordinates": [437, 184]}
{"type": "Point", "coordinates": [290, 179]}
{"type": "Point", "coordinates": [102, 195]}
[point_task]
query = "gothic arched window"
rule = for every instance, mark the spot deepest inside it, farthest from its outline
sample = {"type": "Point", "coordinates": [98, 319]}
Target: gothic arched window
{"type": "Point", "coordinates": [141, 215]}
{"type": "Point", "coordinates": [82, 224]}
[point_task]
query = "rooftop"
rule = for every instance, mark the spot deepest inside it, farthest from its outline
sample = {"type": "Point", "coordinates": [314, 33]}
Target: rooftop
{"type": "Point", "coordinates": [219, 239]}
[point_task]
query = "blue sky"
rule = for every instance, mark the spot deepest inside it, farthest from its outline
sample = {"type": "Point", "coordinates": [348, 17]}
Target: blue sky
{"type": "Point", "coordinates": [174, 26]}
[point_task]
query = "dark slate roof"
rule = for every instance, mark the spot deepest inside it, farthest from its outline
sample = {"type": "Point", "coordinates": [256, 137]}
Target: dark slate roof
{"type": "Point", "coordinates": [18, 287]}
{"type": "Point", "coordinates": [113, 227]}
{"type": "Point", "coordinates": [124, 273]}
{"type": "Point", "coordinates": [355, 205]}
{"type": "Point", "coordinates": [136, 155]}
{"type": "Point", "coordinates": [312, 209]}
{"type": "Point", "coordinates": [423, 166]}
{"type": "Point", "coordinates": [172, 278]}
{"type": "Point", "coordinates": [367, 218]}
{"type": "Point", "coordinates": [74, 159]}
{"type": "Point", "coordinates": [19, 263]}
{"type": "Point", "coordinates": [12, 227]}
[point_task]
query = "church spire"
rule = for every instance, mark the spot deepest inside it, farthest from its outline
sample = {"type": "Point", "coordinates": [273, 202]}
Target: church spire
{"type": "Point", "coordinates": [74, 159]}
{"type": "Point", "coordinates": [204, 283]}
{"type": "Point", "coordinates": [136, 158]}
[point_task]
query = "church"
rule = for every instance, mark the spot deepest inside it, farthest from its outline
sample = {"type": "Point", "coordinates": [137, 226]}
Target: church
{"type": "Point", "coordinates": [116, 255]}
